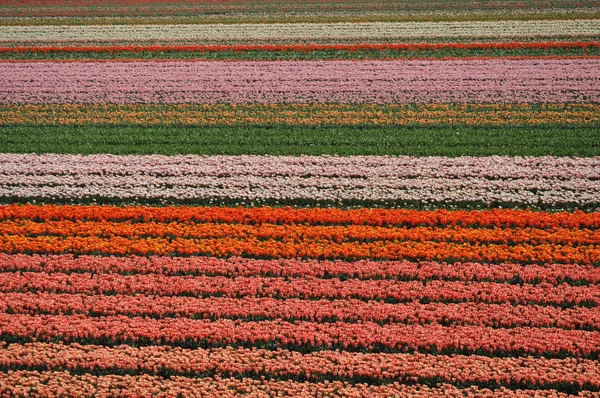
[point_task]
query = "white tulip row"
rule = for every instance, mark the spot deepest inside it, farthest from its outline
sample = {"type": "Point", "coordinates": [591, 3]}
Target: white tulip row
{"type": "Point", "coordinates": [303, 30]}
{"type": "Point", "coordinates": [518, 180]}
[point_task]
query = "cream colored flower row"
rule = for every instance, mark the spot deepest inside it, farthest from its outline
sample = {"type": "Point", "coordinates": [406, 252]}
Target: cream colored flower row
{"type": "Point", "coordinates": [305, 30]}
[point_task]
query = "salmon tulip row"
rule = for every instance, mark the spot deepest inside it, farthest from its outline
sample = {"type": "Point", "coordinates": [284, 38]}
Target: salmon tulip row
{"type": "Point", "coordinates": [114, 330]}
{"type": "Point", "coordinates": [309, 288]}
{"type": "Point", "coordinates": [527, 371]}
{"type": "Point", "coordinates": [554, 274]}
{"type": "Point", "coordinates": [290, 309]}
{"type": "Point", "coordinates": [65, 384]}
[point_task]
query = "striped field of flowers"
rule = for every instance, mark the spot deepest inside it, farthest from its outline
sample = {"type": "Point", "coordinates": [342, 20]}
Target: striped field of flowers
{"type": "Point", "coordinates": [326, 198]}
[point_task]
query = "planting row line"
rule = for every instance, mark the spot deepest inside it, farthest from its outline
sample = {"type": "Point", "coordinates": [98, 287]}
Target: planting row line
{"type": "Point", "coordinates": [20, 384]}
{"type": "Point", "coordinates": [456, 369]}
{"type": "Point", "coordinates": [251, 246]}
{"type": "Point", "coordinates": [236, 12]}
{"type": "Point", "coordinates": [303, 336]}
{"type": "Point", "coordinates": [555, 274]}
{"type": "Point", "coordinates": [311, 289]}
{"type": "Point", "coordinates": [316, 216]}
{"type": "Point", "coordinates": [553, 50]}
{"type": "Point", "coordinates": [304, 115]}
{"type": "Point", "coordinates": [516, 45]}
{"type": "Point", "coordinates": [305, 47]}
{"type": "Point", "coordinates": [290, 309]}
{"type": "Point", "coordinates": [302, 233]}
{"type": "Point", "coordinates": [553, 139]}
{"type": "Point", "coordinates": [395, 81]}
{"type": "Point", "coordinates": [474, 29]}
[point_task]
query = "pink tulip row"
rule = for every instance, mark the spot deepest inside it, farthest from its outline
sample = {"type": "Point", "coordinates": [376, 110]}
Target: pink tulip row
{"type": "Point", "coordinates": [24, 383]}
{"type": "Point", "coordinates": [277, 287]}
{"type": "Point", "coordinates": [347, 336]}
{"type": "Point", "coordinates": [495, 315]}
{"type": "Point", "coordinates": [284, 363]}
{"type": "Point", "coordinates": [397, 81]}
{"type": "Point", "coordinates": [547, 180]}
{"type": "Point", "coordinates": [364, 269]}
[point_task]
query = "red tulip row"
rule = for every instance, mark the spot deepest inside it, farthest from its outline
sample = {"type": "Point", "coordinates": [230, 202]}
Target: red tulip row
{"type": "Point", "coordinates": [314, 366]}
{"type": "Point", "coordinates": [303, 335]}
{"type": "Point", "coordinates": [316, 216]}
{"type": "Point", "coordinates": [388, 290]}
{"type": "Point", "coordinates": [364, 269]}
{"type": "Point", "coordinates": [297, 233]}
{"type": "Point", "coordinates": [251, 308]}
{"type": "Point", "coordinates": [64, 384]}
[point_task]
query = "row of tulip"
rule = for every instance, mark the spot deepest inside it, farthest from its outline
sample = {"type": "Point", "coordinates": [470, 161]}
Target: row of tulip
{"type": "Point", "coordinates": [456, 369]}
{"type": "Point", "coordinates": [290, 309]}
{"type": "Point", "coordinates": [303, 114]}
{"type": "Point", "coordinates": [357, 167]}
{"type": "Point", "coordinates": [264, 11]}
{"type": "Point", "coordinates": [302, 335]}
{"type": "Point", "coordinates": [366, 30]}
{"type": "Point", "coordinates": [251, 246]}
{"type": "Point", "coordinates": [445, 182]}
{"type": "Point", "coordinates": [311, 216]}
{"type": "Point", "coordinates": [393, 81]}
{"type": "Point", "coordinates": [312, 289]}
{"type": "Point", "coordinates": [554, 274]}
{"type": "Point", "coordinates": [65, 384]}
{"type": "Point", "coordinates": [303, 233]}
{"type": "Point", "coordinates": [311, 191]}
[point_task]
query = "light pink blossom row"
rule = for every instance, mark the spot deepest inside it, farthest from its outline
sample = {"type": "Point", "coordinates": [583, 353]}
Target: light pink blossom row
{"type": "Point", "coordinates": [548, 180]}
{"type": "Point", "coordinates": [359, 167]}
{"type": "Point", "coordinates": [395, 81]}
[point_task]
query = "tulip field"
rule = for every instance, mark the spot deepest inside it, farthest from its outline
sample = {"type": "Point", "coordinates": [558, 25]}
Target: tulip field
{"type": "Point", "coordinates": [317, 198]}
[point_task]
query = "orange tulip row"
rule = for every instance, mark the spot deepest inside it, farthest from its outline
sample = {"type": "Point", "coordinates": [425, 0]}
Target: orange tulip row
{"type": "Point", "coordinates": [299, 233]}
{"type": "Point", "coordinates": [286, 215]}
{"type": "Point", "coordinates": [304, 248]}
{"type": "Point", "coordinates": [302, 114]}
